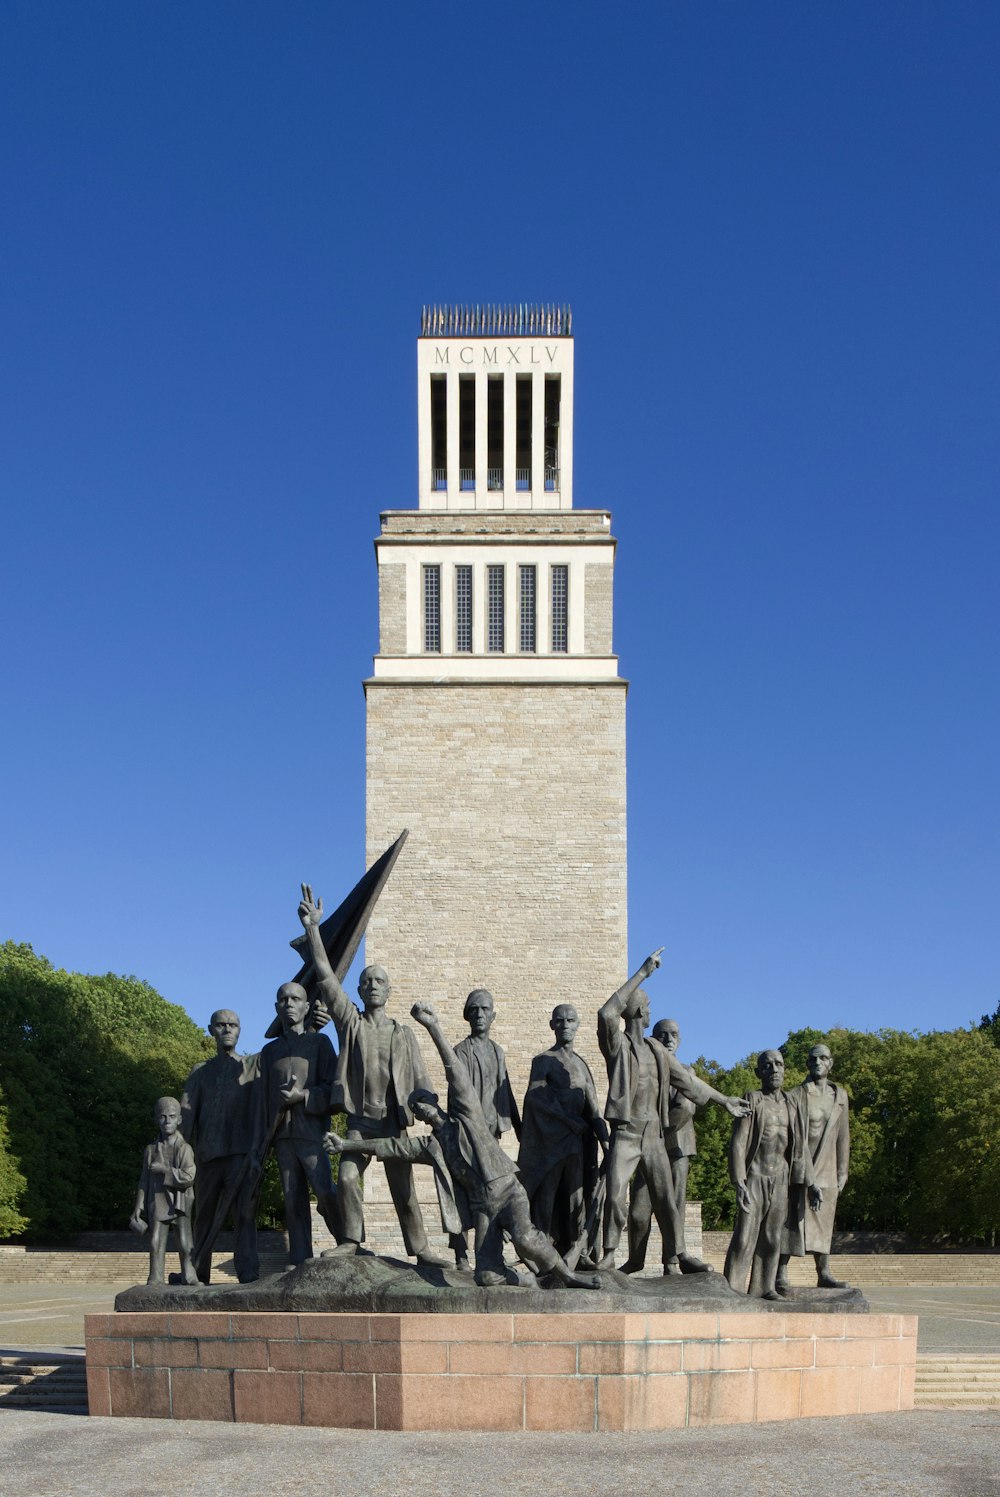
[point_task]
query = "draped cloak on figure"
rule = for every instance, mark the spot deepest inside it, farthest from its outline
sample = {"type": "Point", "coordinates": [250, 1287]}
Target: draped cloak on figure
{"type": "Point", "coordinates": [809, 1231]}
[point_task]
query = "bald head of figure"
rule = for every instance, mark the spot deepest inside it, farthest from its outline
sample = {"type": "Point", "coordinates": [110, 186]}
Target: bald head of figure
{"type": "Point", "coordinates": [771, 1070]}
{"type": "Point", "coordinates": [224, 1027]}
{"type": "Point", "coordinates": [374, 988]}
{"type": "Point", "coordinates": [819, 1062]}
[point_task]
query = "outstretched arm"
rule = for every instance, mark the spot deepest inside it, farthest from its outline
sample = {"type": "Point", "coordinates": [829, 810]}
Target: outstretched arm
{"type": "Point", "coordinates": [413, 1150]}
{"type": "Point", "coordinates": [691, 1086]}
{"type": "Point", "coordinates": [738, 1161]}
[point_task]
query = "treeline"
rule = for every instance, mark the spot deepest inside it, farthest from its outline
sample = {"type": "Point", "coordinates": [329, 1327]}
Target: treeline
{"type": "Point", "coordinates": [82, 1059]}
{"type": "Point", "coordinates": [925, 1130]}
{"type": "Point", "coordinates": [82, 1062]}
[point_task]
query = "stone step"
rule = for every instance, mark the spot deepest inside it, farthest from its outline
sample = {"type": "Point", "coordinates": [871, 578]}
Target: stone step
{"type": "Point", "coordinates": [968, 1400]}
{"type": "Point", "coordinates": [925, 1378]}
{"type": "Point", "coordinates": [957, 1382]}
{"type": "Point", "coordinates": [28, 1382]}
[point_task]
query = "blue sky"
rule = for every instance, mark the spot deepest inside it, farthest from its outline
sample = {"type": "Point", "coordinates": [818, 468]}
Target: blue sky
{"type": "Point", "coordinates": [777, 225]}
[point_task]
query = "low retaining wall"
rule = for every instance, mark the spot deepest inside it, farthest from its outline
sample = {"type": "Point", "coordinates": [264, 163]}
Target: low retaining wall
{"type": "Point", "coordinates": [499, 1372]}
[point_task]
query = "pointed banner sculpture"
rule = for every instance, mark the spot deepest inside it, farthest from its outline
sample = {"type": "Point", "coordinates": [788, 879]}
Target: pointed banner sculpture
{"type": "Point", "coordinates": [341, 934]}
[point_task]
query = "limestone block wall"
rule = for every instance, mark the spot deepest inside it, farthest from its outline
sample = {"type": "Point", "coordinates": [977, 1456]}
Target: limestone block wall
{"type": "Point", "coordinates": [391, 610]}
{"type": "Point", "coordinates": [599, 589]}
{"type": "Point", "coordinates": [514, 874]}
{"type": "Point", "coordinates": [472, 522]}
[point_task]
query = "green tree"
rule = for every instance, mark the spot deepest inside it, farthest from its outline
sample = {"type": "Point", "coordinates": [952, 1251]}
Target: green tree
{"type": "Point", "coordinates": [12, 1183]}
{"type": "Point", "coordinates": [990, 1024]}
{"type": "Point", "coordinates": [925, 1125]}
{"type": "Point", "coordinates": [84, 1059]}
{"type": "Point", "coordinates": [708, 1181]}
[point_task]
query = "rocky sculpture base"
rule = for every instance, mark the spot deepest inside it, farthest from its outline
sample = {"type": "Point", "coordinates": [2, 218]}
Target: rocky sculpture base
{"type": "Point", "coordinates": [366, 1282]}
{"type": "Point", "coordinates": [372, 1343]}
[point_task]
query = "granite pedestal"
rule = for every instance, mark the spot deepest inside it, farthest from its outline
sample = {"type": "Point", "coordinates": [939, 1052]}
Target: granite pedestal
{"type": "Point", "coordinates": [357, 1344]}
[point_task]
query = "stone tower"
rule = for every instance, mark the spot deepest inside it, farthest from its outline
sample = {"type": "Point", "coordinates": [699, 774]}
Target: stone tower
{"type": "Point", "coordinates": [495, 711]}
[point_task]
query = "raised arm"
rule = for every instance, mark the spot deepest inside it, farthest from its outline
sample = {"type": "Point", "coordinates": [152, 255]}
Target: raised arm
{"type": "Point", "coordinates": [609, 1033]}
{"type": "Point", "coordinates": [618, 1002]}
{"type": "Point", "coordinates": [337, 1001]}
{"type": "Point", "coordinates": [458, 1076]}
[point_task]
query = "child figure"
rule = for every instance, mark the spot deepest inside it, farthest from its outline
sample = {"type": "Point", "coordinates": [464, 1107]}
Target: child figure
{"type": "Point", "coordinates": [165, 1193]}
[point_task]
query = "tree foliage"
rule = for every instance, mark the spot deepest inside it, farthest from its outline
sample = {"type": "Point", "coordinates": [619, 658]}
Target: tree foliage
{"type": "Point", "coordinates": [12, 1183]}
{"type": "Point", "coordinates": [83, 1061]}
{"type": "Point", "coordinates": [925, 1130]}
{"type": "Point", "coordinates": [990, 1024]}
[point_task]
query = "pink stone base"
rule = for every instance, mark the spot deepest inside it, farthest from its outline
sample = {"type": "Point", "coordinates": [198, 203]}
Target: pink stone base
{"type": "Point", "coordinates": [499, 1372]}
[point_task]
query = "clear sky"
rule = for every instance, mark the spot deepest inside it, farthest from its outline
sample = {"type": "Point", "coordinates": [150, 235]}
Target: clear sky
{"type": "Point", "coordinates": [779, 228]}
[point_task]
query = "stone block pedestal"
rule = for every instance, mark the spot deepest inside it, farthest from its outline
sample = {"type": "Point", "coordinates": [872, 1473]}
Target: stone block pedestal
{"type": "Point", "coordinates": [621, 1371]}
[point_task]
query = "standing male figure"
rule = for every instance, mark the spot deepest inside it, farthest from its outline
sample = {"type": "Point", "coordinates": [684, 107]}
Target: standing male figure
{"type": "Point", "coordinates": [562, 1127]}
{"type": "Point", "coordinates": [297, 1072]}
{"type": "Point", "coordinates": [378, 1067]}
{"type": "Point", "coordinates": [682, 1146]}
{"type": "Point", "coordinates": [640, 1075]}
{"type": "Point", "coordinates": [767, 1152]}
{"type": "Point", "coordinates": [218, 1115]}
{"type": "Point", "coordinates": [484, 1178]}
{"type": "Point", "coordinates": [829, 1148]}
{"type": "Point", "coordinates": [486, 1064]}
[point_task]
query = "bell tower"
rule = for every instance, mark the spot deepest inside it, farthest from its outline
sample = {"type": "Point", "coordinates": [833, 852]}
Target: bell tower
{"type": "Point", "coordinates": [495, 711]}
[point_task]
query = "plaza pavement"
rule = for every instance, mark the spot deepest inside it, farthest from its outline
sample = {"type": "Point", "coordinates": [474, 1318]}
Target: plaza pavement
{"type": "Point", "coordinates": [926, 1453]}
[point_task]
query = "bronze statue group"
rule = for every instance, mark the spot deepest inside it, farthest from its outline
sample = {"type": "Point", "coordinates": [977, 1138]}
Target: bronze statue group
{"type": "Point", "coordinates": [583, 1173]}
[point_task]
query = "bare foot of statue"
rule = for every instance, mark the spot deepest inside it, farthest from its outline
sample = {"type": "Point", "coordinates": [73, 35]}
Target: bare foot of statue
{"type": "Point", "coordinates": [690, 1264]}
{"type": "Point", "coordinates": [581, 1280]}
{"type": "Point", "coordinates": [672, 1269]}
{"type": "Point", "coordinates": [608, 1261]}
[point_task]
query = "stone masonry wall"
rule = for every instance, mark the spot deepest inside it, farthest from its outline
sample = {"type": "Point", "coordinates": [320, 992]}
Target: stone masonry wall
{"type": "Point", "coordinates": [392, 610]}
{"type": "Point", "coordinates": [514, 874]}
{"type": "Point", "coordinates": [598, 586]}
{"type": "Point", "coordinates": [562, 523]}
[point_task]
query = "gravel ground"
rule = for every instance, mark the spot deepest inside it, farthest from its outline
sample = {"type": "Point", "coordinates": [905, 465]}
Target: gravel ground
{"type": "Point", "coordinates": [925, 1454]}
